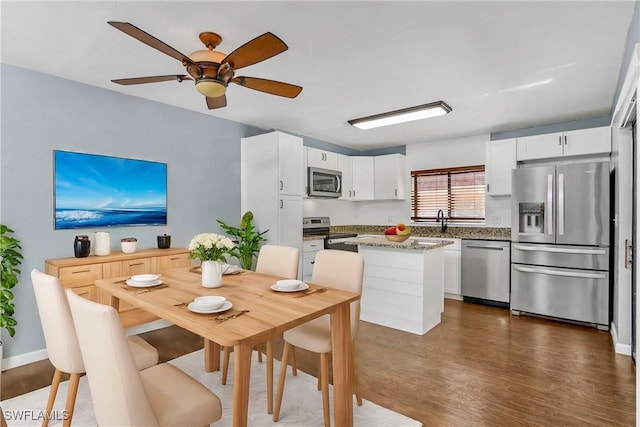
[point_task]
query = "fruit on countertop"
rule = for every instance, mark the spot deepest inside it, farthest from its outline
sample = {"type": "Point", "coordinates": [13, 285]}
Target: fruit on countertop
{"type": "Point", "coordinates": [391, 230]}
{"type": "Point", "coordinates": [402, 230]}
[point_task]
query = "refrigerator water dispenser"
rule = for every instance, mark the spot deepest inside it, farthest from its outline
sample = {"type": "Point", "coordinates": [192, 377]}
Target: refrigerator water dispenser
{"type": "Point", "coordinates": [531, 218]}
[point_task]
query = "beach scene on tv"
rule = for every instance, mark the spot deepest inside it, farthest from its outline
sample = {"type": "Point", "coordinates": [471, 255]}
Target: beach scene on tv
{"type": "Point", "coordinates": [102, 191]}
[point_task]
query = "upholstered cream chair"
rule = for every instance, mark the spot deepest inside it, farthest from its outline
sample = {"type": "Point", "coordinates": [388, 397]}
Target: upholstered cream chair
{"type": "Point", "coordinates": [161, 395]}
{"type": "Point", "coordinates": [280, 261]}
{"type": "Point", "coordinates": [62, 342]}
{"type": "Point", "coordinates": [335, 269]}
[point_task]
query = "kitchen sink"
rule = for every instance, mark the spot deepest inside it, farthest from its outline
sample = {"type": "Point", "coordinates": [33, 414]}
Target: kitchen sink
{"type": "Point", "coordinates": [424, 241]}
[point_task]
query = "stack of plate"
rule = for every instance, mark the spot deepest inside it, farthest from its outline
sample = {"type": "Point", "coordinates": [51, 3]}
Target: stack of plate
{"type": "Point", "coordinates": [144, 280]}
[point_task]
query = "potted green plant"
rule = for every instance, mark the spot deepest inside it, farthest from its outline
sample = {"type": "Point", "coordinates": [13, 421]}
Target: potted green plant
{"type": "Point", "coordinates": [247, 239]}
{"type": "Point", "coordinates": [10, 259]}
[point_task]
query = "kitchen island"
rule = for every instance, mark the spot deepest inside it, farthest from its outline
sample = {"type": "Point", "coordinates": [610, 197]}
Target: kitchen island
{"type": "Point", "coordinates": [403, 286]}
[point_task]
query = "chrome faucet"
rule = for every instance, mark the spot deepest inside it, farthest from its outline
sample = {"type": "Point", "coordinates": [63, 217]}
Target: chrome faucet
{"type": "Point", "coordinates": [440, 218]}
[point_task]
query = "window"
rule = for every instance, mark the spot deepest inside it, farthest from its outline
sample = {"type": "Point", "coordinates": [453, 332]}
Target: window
{"type": "Point", "coordinates": [459, 192]}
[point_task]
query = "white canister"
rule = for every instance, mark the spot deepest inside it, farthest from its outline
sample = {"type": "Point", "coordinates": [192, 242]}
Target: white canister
{"type": "Point", "coordinates": [102, 243]}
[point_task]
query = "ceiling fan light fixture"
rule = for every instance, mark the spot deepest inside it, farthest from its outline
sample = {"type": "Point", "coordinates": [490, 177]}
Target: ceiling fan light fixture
{"type": "Point", "coordinates": [433, 109]}
{"type": "Point", "coordinates": [211, 87]}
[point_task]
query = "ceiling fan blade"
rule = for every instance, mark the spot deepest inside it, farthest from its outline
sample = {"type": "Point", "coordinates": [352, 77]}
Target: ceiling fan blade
{"type": "Point", "coordinates": [218, 102]}
{"type": "Point", "coordinates": [153, 79]}
{"type": "Point", "coordinates": [269, 86]}
{"type": "Point", "coordinates": [148, 39]}
{"type": "Point", "coordinates": [254, 51]}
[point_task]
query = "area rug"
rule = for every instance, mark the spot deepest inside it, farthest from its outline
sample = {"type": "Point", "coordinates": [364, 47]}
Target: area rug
{"type": "Point", "coordinates": [301, 405]}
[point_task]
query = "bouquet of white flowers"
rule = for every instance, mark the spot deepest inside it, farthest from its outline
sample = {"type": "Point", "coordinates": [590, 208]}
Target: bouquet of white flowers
{"type": "Point", "coordinates": [210, 247]}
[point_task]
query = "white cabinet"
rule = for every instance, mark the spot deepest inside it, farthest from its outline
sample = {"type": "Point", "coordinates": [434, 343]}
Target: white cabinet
{"type": "Point", "coordinates": [270, 170]}
{"type": "Point", "coordinates": [309, 250]}
{"type": "Point", "coordinates": [362, 177]}
{"type": "Point", "coordinates": [452, 270]}
{"type": "Point", "coordinates": [501, 159]}
{"type": "Point", "coordinates": [562, 144]}
{"type": "Point", "coordinates": [344, 166]}
{"type": "Point", "coordinates": [322, 159]}
{"type": "Point", "coordinates": [389, 177]}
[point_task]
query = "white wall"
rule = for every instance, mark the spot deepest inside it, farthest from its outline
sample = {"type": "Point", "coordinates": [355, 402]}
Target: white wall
{"type": "Point", "coordinates": [467, 151]}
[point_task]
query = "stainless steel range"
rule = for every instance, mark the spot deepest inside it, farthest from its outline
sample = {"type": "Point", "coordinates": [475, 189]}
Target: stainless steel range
{"type": "Point", "coordinates": [321, 226]}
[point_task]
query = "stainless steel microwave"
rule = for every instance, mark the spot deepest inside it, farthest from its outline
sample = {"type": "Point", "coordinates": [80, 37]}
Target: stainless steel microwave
{"type": "Point", "coordinates": [324, 183]}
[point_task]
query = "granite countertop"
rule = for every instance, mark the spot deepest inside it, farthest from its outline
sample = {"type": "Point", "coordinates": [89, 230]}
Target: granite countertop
{"type": "Point", "coordinates": [317, 237]}
{"type": "Point", "coordinates": [420, 243]}
{"type": "Point", "coordinates": [480, 233]}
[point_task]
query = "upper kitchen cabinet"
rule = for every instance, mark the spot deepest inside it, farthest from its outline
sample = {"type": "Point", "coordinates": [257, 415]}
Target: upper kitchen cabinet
{"type": "Point", "coordinates": [271, 168]}
{"type": "Point", "coordinates": [344, 166]}
{"type": "Point", "coordinates": [277, 156]}
{"type": "Point", "coordinates": [389, 177]}
{"type": "Point", "coordinates": [563, 144]}
{"type": "Point", "coordinates": [362, 171]}
{"type": "Point", "coordinates": [322, 159]}
{"type": "Point", "coordinates": [501, 159]}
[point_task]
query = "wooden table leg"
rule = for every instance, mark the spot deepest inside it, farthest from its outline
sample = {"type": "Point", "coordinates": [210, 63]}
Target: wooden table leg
{"type": "Point", "coordinates": [241, 376]}
{"type": "Point", "coordinates": [115, 302]}
{"type": "Point", "coordinates": [211, 356]}
{"type": "Point", "coordinates": [270, 377]}
{"type": "Point", "coordinates": [342, 378]}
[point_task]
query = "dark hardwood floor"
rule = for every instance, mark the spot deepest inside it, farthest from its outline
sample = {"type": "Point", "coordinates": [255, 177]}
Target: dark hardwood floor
{"type": "Point", "coordinates": [480, 367]}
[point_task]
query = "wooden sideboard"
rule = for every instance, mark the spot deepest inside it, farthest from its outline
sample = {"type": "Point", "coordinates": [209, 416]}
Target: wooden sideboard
{"type": "Point", "coordinates": [80, 274]}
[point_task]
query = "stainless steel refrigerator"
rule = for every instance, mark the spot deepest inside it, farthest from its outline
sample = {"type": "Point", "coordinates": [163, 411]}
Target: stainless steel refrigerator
{"type": "Point", "coordinates": [560, 242]}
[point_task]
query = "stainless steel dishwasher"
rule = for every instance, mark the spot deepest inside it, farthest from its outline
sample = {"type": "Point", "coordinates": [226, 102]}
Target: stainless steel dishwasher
{"type": "Point", "coordinates": [485, 274]}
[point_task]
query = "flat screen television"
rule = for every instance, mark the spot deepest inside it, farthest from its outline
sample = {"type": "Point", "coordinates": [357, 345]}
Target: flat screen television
{"type": "Point", "coordinates": [93, 190]}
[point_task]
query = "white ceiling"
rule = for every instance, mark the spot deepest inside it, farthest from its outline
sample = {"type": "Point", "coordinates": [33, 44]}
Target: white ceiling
{"type": "Point", "coordinates": [499, 65]}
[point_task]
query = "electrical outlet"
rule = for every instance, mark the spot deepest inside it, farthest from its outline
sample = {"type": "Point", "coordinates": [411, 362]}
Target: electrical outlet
{"type": "Point", "coordinates": [495, 219]}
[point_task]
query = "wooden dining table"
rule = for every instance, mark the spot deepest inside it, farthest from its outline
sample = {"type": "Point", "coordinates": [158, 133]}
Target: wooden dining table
{"type": "Point", "coordinates": [258, 314]}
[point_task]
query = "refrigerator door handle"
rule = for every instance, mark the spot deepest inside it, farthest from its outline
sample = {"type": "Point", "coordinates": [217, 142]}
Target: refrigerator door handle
{"type": "Point", "coordinates": [549, 210]}
{"type": "Point", "coordinates": [559, 273]}
{"type": "Point", "coordinates": [561, 204]}
{"type": "Point", "coordinates": [560, 250]}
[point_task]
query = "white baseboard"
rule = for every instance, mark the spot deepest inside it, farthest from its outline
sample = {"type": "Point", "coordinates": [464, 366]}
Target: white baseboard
{"type": "Point", "coordinates": [453, 296]}
{"type": "Point", "coordinates": [619, 347]}
{"type": "Point", "coordinates": [24, 359]}
{"type": "Point", "coordinates": [38, 355]}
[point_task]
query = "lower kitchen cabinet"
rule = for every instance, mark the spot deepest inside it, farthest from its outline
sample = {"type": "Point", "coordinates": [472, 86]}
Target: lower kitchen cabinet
{"type": "Point", "coordinates": [80, 274]}
{"type": "Point", "coordinates": [452, 266]}
{"type": "Point", "coordinates": [309, 250]}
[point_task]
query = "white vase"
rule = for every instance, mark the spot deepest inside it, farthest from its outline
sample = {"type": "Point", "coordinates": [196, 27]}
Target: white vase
{"type": "Point", "coordinates": [211, 274]}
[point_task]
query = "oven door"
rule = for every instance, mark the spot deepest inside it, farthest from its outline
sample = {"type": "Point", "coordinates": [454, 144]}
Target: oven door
{"type": "Point", "coordinates": [325, 183]}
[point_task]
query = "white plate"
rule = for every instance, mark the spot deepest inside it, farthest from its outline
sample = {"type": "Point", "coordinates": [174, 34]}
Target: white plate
{"type": "Point", "coordinates": [143, 284]}
{"type": "Point", "coordinates": [302, 287]}
{"type": "Point", "coordinates": [231, 269]}
{"type": "Point", "coordinates": [140, 278]}
{"type": "Point", "coordinates": [226, 306]}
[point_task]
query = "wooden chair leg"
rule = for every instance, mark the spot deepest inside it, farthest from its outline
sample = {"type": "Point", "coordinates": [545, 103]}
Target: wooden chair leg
{"type": "Point", "coordinates": [259, 354]}
{"type": "Point", "coordinates": [324, 380]}
{"type": "Point", "coordinates": [74, 382]}
{"type": "Point", "coordinates": [283, 375]}
{"type": "Point", "coordinates": [225, 364]}
{"type": "Point", "coordinates": [294, 368]}
{"type": "Point", "coordinates": [55, 382]}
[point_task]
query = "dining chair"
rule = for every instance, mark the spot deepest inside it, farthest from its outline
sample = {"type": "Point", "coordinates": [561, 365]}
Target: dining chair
{"type": "Point", "coordinates": [334, 269]}
{"type": "Point", "coordinates": [280, 261]}
{"type": "Point", "coordinates": [62, 343]}
{"type": "Point", "coordinates": [161, 395]}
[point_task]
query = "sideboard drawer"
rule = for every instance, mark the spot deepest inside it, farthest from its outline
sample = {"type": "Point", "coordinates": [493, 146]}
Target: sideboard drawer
{"type": "Point", "coordinates": [80, 275]}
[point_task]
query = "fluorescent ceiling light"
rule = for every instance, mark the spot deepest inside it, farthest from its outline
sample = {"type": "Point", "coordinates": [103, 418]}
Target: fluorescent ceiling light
{"type": "Point", "coordinates": [425, 111]}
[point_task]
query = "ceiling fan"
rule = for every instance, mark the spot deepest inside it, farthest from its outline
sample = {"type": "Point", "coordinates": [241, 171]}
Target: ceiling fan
{"type": "Point", "coordinates": [213, 70]}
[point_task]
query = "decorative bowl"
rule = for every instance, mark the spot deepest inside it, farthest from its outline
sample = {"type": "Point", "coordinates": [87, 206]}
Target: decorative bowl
{"type": "Point", "coordinates": [397, 237]}
{"type": "Point", "coordinates": [209, 302]}
{"type": "Point", "coordinates": [288, 284]}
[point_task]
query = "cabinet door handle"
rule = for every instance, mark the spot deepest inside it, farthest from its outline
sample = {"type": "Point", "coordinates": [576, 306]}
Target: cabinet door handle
{"type": "Point", "coordinates": [80, 271]}
{"type": "Point", "coordinates": [487, 188]}
{"type": "Point", "coordinates": [281, 185]}
{"type": "Point", "coordinates": [565, 140]}
{"type": "Point", "coordinates": [174, 258]}
{"type": "Point", "coordinates": [312, 262]}
{"type": "Point", "coordinates": [560, 140]}
{"type": "Point", "coordinates": [395, 192]}
{"type": "Point", "coordinates": [137, 263]}
{"type": "Point", "coordinates": [281, 204]}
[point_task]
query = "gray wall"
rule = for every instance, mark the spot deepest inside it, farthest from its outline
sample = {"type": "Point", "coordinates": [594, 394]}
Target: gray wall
{"type": "Point", "coordinates": [41, 113]}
